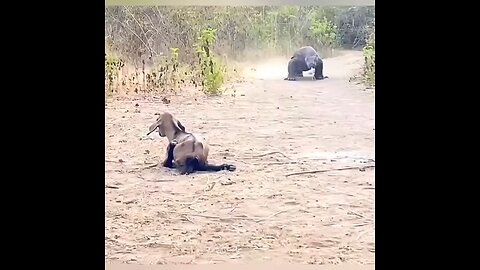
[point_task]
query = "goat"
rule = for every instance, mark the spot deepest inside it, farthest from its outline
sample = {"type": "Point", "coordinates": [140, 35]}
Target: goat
{"type": "Point", "coordinates": [185, 151]}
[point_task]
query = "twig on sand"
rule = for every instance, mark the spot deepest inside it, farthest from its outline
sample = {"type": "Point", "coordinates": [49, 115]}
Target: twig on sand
{"type": "Point", "coordinates": [162, 180]}
{"type": "Point", "coordinates": [183, 215]}
{"type": "Point", "coordinates": [149, 166]}
{"type": "Point", "coordinates": [268, 154]}
{"type": "Point", "coordinates": [244, 217]}
{"type": "Point", "coordinates": [115, 161]}
{"type": "Point", "coordinates": [229, 212]}
{"type": "Point", "coordinates": [277, 213]}
{"type": "Point", "coordinates": [204, 216]}
{"type": "Point", "coordinates": [360, 225]}
{"type": "Point", "coordinates": [215, 144]}
{"type": "Point", "coordinates": [355, 213]}
{"type": "Point", "coordinates": [278, 163]}
{"type": "Point", "coordinates": [143, 168]}
{"type": "Point", "coordinates": [114, 187]}
{"type": "Point", "coordinates": [208, 186]}
{"type": "Point", "coordinates": [329, 170]}
{"type": "Point", "coordinates": [187, 219]}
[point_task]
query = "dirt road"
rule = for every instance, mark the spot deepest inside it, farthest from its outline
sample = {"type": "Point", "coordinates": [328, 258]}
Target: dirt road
{"type": "Point", "coordinates": [270, 128]}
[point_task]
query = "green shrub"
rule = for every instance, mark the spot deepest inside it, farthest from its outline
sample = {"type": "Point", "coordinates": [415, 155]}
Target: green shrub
{"type": "Point", "coordinates": [211, 71]}
{"type": "Point", "coordinates": [369, 65]}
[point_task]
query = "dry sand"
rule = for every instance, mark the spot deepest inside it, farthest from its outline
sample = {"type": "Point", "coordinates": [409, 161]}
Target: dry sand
{"type": "Point", "coordinates": [270, 128]}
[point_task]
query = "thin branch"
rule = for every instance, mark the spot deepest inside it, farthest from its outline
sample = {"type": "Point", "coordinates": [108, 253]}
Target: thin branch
{"type": "Point", "coordinates": [268, 154]}
{"type": "Point", "coordinates": [133, 32]}
{"type": "Point", "coordinates": [355, 213]}
{"type": "Point", "coordinates": [329, 170]}
{"type": "Point", "coordinates": [143, 31]}
{"type": "Point", "coordinates": [277, 213]}
{"type": "Point", "coordinates": [143, 168]}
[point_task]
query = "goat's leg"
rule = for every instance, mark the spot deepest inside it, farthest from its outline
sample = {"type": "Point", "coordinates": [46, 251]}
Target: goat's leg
{"type": "Point", "coordinates": [216, 168]}
{"type": "Point", "coordinates": [168, 162]}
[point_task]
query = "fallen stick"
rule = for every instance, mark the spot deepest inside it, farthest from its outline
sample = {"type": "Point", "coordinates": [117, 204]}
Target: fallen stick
{"type": "Point", "coordinates": [278, 163]}
{"type": "Point", "coordinates": [149, 166]}
{"type": "Point", "coordinates": [329, 170]}
{"type": "Point", "coordinates": [235, 207]}
{"type": "Point", "coordinates": [114, 187]}
{"type": "Point", "coordinates": [355, 213]}
{"type": "Point", "coordinates": [145, 163]}
{"type": "Point", "coordinates": [271, 153]}
{"type": "Point", "coordinates": [187, 219]}
{"type": "Point", "coordinates": [360, 225]}
{"type": "Point", "coordinates": [143, 168]}
{"type": "Point", "coordinates": [215, 144]}
{"type": "Point", "coordinates": [115, 170]}
{"type": "Point", "coordinates": [277, 213]}
{"type": "Point", "coordinates": [244, 217]}
{"type": "Point", "coordinates": [115, 161]}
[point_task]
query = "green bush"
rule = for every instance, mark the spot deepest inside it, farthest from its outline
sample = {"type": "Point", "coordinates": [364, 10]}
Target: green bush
{"type": "Point", "coordinates": [211, 70]}
{"type": "Point", "coordinates": [325, 32]}
{"type": "Point", "coordinates": [369, 65]}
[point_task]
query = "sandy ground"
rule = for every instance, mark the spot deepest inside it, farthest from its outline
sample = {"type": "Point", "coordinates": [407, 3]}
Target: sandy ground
{"type": "Point", "coordinates": [268, 129]}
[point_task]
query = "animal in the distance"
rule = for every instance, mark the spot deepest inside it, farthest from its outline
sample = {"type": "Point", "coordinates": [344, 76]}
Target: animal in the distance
{"type": "Point", "coordinates": [185, 151]}
{"type": "Point", "coordinates": [305, 59]}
